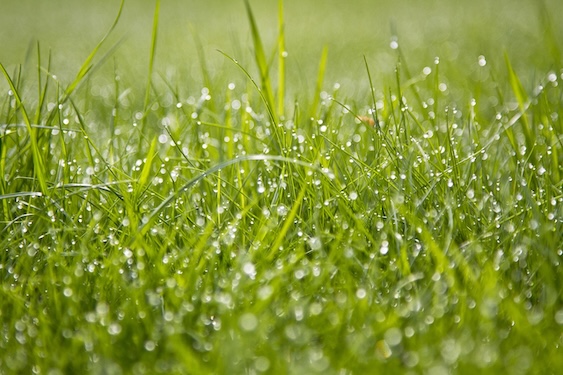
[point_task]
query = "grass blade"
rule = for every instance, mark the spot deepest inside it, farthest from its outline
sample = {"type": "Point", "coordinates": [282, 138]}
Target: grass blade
{"type": "Point", "coordinates": [522, 99]}
{"type": "Point", "coordinates": [151, 64]}
{"type": "Point", "coordinates": [282, 54]}
{"type": "Point", "coordinates": [261, 62]}
{"type": "Point", "coordinates": [86, 66]}
{"type": "Point", "coordinates": [152, 217]}
{"type": "Point", "coordinates": [38, 162]}
{"type": "Point", "coordinates": [320, 80]}
{"type": "Point", "coordinates": [287, 223]}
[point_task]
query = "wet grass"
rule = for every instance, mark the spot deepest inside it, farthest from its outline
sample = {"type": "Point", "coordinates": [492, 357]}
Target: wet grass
{"type": "Point", "coordinates": [408, 220]}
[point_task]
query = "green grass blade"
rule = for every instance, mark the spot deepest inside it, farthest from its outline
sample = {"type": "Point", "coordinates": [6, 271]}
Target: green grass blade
{"type": "Point", "coordinates": [38, 162]}
{"type": "Point", "coordinates": [319, 84]}
{"type": "Point", "coordinates": [287, 223]}
{"type": "Point", "coordinates": [282, 54]}
{"type": "Point", "coordinates": [86, 66]}
{"type": "Point", "coordinates": [145, 172]}
{"type": "Point", "coordinates": [261, 61]}
{"type": "Point", "coordinates": [522, 99]}
{"type": "Point", "coordinates": [261, 92]}
{"type": "Point", "coordinates": [150, 219]}
{"type": "Point", "coordinates": [151, 63]}
{"type": "Point", "coordinates": [374, 101]}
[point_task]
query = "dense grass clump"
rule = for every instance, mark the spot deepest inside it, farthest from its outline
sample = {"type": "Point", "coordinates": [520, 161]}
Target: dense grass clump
{"type": "Point", "coordinates": [261, 223]}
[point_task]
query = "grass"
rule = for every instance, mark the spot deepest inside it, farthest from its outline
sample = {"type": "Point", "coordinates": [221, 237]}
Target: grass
{"type": "Point", "coordinates": [407, 221]}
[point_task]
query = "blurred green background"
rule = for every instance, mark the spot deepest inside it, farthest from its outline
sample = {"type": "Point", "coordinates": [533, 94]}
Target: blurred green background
{"type": "Point", "coordinates": [456, 31]}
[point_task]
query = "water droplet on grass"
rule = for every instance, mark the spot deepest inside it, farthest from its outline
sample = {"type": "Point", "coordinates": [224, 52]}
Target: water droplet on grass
{"type": "Point", "coordinates": [248, 322]}
{"type": "Point", "coordinates": [361, 293]}
{"type": "Point", "coordinates": [150, 345]}
{"type": "Point", "coordinates": [315, 243]}
{"type": "Point", "coordinates": [282, 210]}
{"type": "Point", "coordinates": [393, 336]}
{"type": "Point", "coordinates": [249, 269]}
{"type": "Point", "coordinates": [262, 364]}
{"type": "Point", "coordinates": [384, 249]}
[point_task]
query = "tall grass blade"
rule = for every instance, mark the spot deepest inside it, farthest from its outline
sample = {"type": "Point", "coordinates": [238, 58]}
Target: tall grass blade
{"type": "Point", "coordinates": [261, 61]}
{"type": "Point", "coordinates": [38, 161]}
{"type": "Point", "coordinates": [319, 84]}
{"type": "Point", "coordinates": [42, 90]}
{"type": "Point", "coordinates": [145, 172]}
{"type": "Point", "coordinates": [151, 65]}
{"type": "Point", "coordinates": [374, 102]}
{"type": "Point", "coordinates": [263, 96]}
{"type": "Point", "coordinates": [282, 54]}
{"type": "Point", "coordinates": [289, 221]}
{"type": "Point", "coordinates": [87, 65]}
{"type": "Point", "coordinates": [523, 102]}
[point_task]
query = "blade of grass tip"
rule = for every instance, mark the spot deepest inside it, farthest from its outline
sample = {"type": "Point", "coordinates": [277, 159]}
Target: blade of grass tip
{"type": "Point", "coordinates": [90, 70]}
{"type": "Point", "coordinates": [319, 84]}
{"type": "Point", "coordinates": [261, 60]}
{"type": "Point", "coordinates": [39, 91]}
{"type": "Point", "coordinates": [38, 162]}
{"type": "Point", "coordinates": [145, 172]}
{"type": "Point", "coordinates": [282, 54]}
{"type": "Point", "coordinates": [256, 86]}
{"type": "Point", "coordinates": [522, 99]}
{"type": "Point", "coordinates": [151, 66]}
{"type": "Point", "coordinates": [43, 93]}
{"type": "Point", "coordinates": [403, 121]}
{"type": "Point", "coordinates": [86, 66]}
{"type": "Point", "coordinates": [374, 102]}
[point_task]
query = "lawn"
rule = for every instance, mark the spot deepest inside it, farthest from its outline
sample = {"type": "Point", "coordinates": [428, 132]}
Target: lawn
{"type": "Point", "coordinates": [270, 187]}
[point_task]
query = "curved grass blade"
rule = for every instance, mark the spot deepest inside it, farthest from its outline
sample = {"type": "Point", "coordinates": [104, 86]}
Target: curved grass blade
{"type": "Point", "coordinates": [38, 162]}
{"type": "Point", "coordinates": [149, 220]}
{"type": "Point", "coordinates": [86, 66]}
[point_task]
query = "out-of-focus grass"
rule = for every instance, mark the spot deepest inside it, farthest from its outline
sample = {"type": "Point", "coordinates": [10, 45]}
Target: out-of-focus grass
{"type": "Point", "coordinates": [199, 220]}
{"type": "Point", "coordinates": [455, 31]}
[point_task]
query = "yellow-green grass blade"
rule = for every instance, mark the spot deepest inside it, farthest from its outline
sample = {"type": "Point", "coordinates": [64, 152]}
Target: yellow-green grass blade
{"type": "Point", "coordinates": [38, 161]}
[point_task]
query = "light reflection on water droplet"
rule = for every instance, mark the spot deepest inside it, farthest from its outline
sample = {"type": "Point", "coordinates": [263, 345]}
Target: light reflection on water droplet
{"type": "Point", "coordinates": [248, 322]}
{"type": "Point", "coordinates": [262, 364]}
{"type": "Point", "coordinates": [393, 336]}
{"type": "Point", "coordinates": [315, 243]}
{"type": "Point", "coordinates": [150, 345]}
{"type": "Point", "coordinates": [282, 210]}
